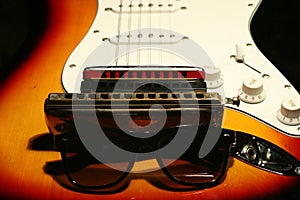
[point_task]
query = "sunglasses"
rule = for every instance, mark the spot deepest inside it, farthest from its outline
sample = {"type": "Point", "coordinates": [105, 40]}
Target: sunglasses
{"type": "Point", "coordinates": [85, 172]}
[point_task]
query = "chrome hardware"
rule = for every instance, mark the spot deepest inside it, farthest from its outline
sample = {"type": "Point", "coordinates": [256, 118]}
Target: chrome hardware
{"type": "Point", "coordinates": [297, 170]}
{"type": "Point", "coordinates": [129, 8]}
{"type": "Point", "coordinates": [265, 155]}
{"type": "Point", "coordinates": [233, 101]}
{"type": "Point", "coordinates": [250, 152]}
{"type": "Point", "coordinates": [144, 37]}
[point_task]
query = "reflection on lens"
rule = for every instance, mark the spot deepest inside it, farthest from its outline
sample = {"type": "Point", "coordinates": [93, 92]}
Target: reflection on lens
{"type": "Point", "coordinates": [86, 171]}
{"type": "Point", "coordinates": [197, 170]}
{"type": "Point", "coordinates": [191, 170]}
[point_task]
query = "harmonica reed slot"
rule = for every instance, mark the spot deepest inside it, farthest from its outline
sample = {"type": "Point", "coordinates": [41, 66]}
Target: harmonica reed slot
{"type": "Point", "coordinates": [104, 96]}
{"type": "Point", "coordinates": [139, 96]}
{"type": "Point", "coordinates": [188, 95]}
{"type": "Point", "coordinates": [151, 96]}
{"type": "Point", "coordinates": [116, 96]}
{"type": "Point", "coordinates": [163, 96]}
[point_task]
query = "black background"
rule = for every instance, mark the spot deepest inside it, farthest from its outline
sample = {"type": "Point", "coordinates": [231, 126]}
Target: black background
{"type": "Point", "coordinates": [275, 29]}
{"type": "Point", "coordinates": [22, 23]}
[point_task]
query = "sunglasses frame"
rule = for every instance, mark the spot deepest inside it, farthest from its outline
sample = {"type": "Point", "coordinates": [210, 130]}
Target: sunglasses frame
{"type": "Point", "coordinates": [63, 152]}
{"type": "Point", "coordinates": [226, 138]}
{"type": "Point", "coordinates": [62, 146]}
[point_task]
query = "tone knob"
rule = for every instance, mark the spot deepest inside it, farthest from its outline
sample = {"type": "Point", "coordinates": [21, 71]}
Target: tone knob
{"type": "Point", "coordinates": [252, 91]}
{"type": "Point", "coordinates": [289, 112]}
{"type": "Point", "coordinates": [213, 77]}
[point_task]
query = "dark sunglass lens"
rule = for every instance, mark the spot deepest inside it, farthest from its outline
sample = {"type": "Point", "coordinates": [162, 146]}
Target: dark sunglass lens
{"type": "Point", "coordinates": [189, 169]}
{"type": "Point", "coordinates": [86, 171]}
{"type": "Point", "coordinates": [192, 170]}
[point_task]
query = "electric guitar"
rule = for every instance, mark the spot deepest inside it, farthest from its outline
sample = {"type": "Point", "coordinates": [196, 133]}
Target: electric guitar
{"type": "Point", "coordinates": [120, 34]}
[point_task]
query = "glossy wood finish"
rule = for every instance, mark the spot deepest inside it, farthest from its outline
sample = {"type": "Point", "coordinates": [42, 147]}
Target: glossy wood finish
{"type": "Point", "coordinates": [22, 120]}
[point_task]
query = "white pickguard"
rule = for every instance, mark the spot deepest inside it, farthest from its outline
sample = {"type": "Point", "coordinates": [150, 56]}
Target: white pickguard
{"type": "Point", "coordinates": [175, 26]}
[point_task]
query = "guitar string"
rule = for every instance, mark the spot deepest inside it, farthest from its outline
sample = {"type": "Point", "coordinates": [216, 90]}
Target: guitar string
{"type": "Point", "coordinates": [140, 34]}
{"type": "Point", "coordinates": [129, 33]}
{"type": "Point", "coordinates": [129, 27]}
{"type": "Point", "coordinates": [118, 33]}
{"type": "Point", "coordinates": [160, 32]}
{"type": "Point", "coordinates": [170, 28]}
{"type": "Point", "coordinates": [150, 35]}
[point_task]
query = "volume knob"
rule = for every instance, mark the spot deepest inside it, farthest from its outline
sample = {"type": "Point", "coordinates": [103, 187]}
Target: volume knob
{"type": "Point", "coordinates": [289, 112]}
{"type": "Point", "coordinates": [213, 77]}
{"type": "Point", "coordinates": [252, 91]}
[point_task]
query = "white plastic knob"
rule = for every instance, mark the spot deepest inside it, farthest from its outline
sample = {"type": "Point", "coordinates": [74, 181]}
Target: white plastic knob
{"type": "Point", "coordinates": [213, 77]}
{"type": "Point", "coordinates": [252, 91]}
{"type": "Point", "coordinates": [289, 112]}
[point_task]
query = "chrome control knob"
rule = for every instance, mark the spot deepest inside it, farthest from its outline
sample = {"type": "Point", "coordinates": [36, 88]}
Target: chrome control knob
{"type": "Point", "coordinates": [252, 91]}
{"type": "Point", "coordinates": [213, 77]}
{"type": "Point", "coordinates": [289, 112]}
